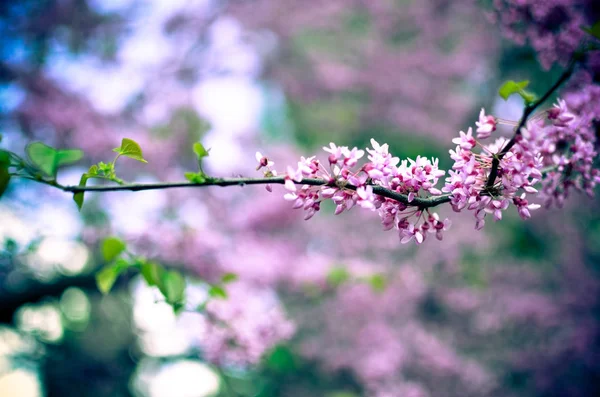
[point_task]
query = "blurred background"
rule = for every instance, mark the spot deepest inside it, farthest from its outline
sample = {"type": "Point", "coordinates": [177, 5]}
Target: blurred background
{"type": "Point", "coordinates": [332, 307]}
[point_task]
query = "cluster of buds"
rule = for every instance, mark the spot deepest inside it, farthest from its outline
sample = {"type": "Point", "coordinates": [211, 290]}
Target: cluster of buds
{"type": "Point", "coordinates": [484, 179]}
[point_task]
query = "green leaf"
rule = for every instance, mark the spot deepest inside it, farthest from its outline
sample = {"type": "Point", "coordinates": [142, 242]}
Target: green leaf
{"type": "Point", "coordinates": [218, 292]}
{"type": "Point", "coordinates": [130, 148]}
{"type": "Point", "coordinates": [229, 278]}
{"type": "Point", "coordinates": [512, 87]}
{"type": "Point", "coordinates": [173, 287]}
{"type": "Point", "coordinates": [112, 247]}
{"type": "Point", "coordinates": [200, 151]}
{"type": "Point", "coordinates": [195, 177]}
{"type": "Point", "coordinates": [337, 276]}
{"type": "Point", "coordinates": [78, 197]}
{"type": "Point", "coordinates": [281, 360]}
{"type": "Point", "coordinates": [377, 282]}
{"type": "Point", "coordinates": [152, 273]}
{"type": "Point", "coordinates": [48, 159]}
{"type": "Point", "coordinates": [4, 178]}
{"type": "Point", "coordinates": [594, 30]}
{"type": "Point", "coordinates": [4, 158]}
{"type": "Point", "coordinates": [106, 278]}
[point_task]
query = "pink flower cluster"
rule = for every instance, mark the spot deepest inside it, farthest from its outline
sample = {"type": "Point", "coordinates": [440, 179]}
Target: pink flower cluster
{"type": "Point", "coordinates": [348, 186]}
{"type": "Point", "coordinates": [566, 141]}
{"type": "Point", "coordinates": [555, 142]}
{"type": "Point", "coordinates": [551, 27]}
{"type": "Point", "coordinates": [240, 329]}
{"type": "Point", "coordinates": [519, 170]}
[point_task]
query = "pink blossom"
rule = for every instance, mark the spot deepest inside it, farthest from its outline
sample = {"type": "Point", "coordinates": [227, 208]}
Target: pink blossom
{"type": "Point", "coordinates": [486, 125]}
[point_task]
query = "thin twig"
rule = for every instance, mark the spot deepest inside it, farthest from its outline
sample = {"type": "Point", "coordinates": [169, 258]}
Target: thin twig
{"type": "Point", "coordinates": [529, 109]}
{"type": "Point", "coordinates": [135, 187]}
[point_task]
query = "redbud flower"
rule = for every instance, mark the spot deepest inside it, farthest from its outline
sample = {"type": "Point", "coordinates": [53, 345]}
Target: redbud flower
{"type": "Point", "coordinates": [465, 141]}
{"type": "Point", "coordinates": [486, 125]}
{"type": "Point", "coordinates": [263, 161]}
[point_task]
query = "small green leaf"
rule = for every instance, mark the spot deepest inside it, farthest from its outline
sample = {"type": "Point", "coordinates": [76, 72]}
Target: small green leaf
{"type": "Point", "coordinates": [78, 197]}
{"type": "Point", "coordinates": [48, 159]}
{"type": "Point", "coordinates": [4, 178]}
{"type": "Point", "coordinates": [282, 360]}
{"type": "Point", "coordinates": [4, 158]}
{"type": "Point", "coordinates": [229, 278]}
{"type": "Point", "coordinates": [377, 282]}
{"type": "Point", "coordinates": [337, 276]}
{"type": "Point", "coordinates": [112, 247]}
{"type": "Point", "coordinates": [200, 151]}
{"type": "Point", "coordinates": [130, 148]}
{"type": "Point", "coordinates": [512, 87]}
{"type": "Point", "coordinates": [217, 292]}
{"type": "Point", "coordinates": [152, 273]}
{"type": "Point", "coordinates": [594, 30]}
{"type": "Point", "coordinates": [106, 278]}
{"type": "Point", "coordinates": [173, 287]}
{"type": "Point", "coordinates": [195, 177]}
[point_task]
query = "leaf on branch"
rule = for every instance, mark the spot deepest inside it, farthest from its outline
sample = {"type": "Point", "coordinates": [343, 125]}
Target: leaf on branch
{"type": "Point", "coordinates": [200, 151]}
{"type": "Point", "coordinates": [112, 247]}
{"type": "Point", "coordinates": [594, 30]}
{"type": "Point", "coordinates": [173, 287]}
{"type": "Point", "coordinates": [48, 159]}
{"type": "Point", "coordinates": [106, 278]}
{"type": "Point", "coordinates": [152, 273]}
{"type": "Point", "coordinates": [78, 197]}
{"type": "Point", "coordinates": [195, 177]}
{"type": "Point", "coordinates": [512, 87]}
{"type": "Point", "coordinates": [130, 148]}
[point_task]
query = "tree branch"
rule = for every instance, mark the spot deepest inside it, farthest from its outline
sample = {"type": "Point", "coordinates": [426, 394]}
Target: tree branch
{"type": "Point", "coordinates": [135, 187]}
{"type": "Point", "coordinates": [529, 109]}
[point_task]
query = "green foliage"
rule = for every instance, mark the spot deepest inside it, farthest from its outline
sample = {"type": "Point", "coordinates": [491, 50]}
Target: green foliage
{"type": "Point", "coordinates": [200, 176]}
{"type": "Point", "coordinates": [337, 276]}
{"type": "Point", "coordinates": [47, 159]}
{"type": "Point", "coordinates": [78, 197]}
{"type": "Point", "coordinates": [341, 394]}
{"type": "Point", "coordinates": [511, 87]}
{"type": "Point", "coordinates": [152, 273]}
{"type": "Point", "coordinates": [4, 174]}
{"type": "Point", "coordinates": [106, 278]}
{"type": "Point", "coordinates": [200, 151]}
{"type": "Point", "coordinates": [130, 148]}
{"type": "Point", "coordinates": [170, 283]}
{"type": "Point", "coordinates": [112, 247]}
{"type": "Point", "coordinates": [172, 286]}
{"type": "Point", "coordinates": [594, 30]}
{"type": "Point", "coordinates": [217, 291]}
{"type": "Point", "coordinates": [195, 177]}
{"type": "Point", "coordinates": [229, 278]}
{"type": "Point", "coordinates": [281, 360]}
{"type": "Point", "coordinates": [378, 282]}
